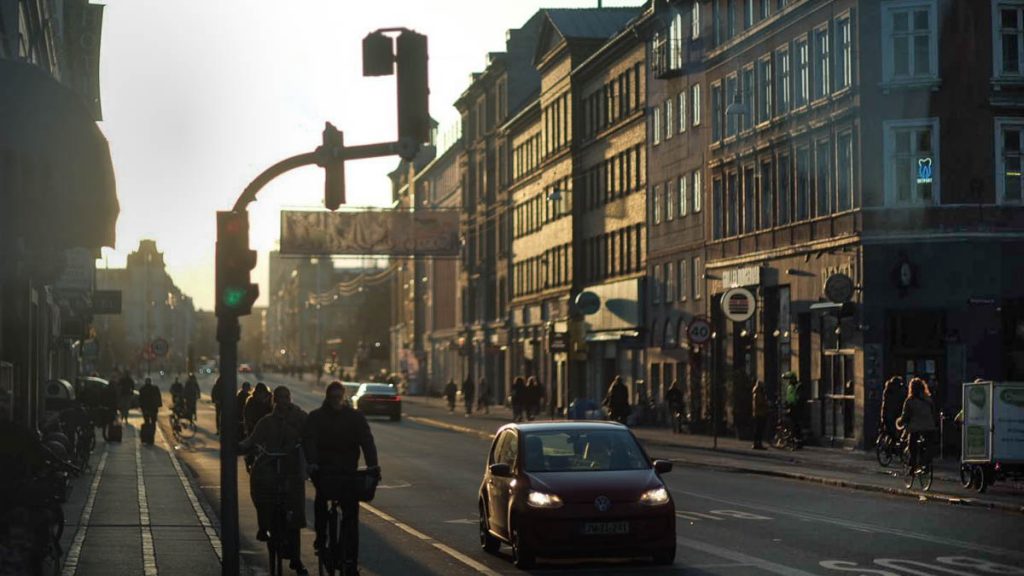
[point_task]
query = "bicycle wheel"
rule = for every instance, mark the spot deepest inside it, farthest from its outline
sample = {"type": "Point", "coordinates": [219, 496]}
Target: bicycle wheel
{"type": "Point", "coordinates": [966, 478]}
{"type": "Point", "coordinates": [908, 476]}
{"type": "Point", "coordinates": [330, 551]}
{"type": "Point", "coordinates": [924, 477]}
{"type": "Point", "coordinates": [882, 452]}
{"type": "Point", "coordinates": [187, 428]}
{"type": "Point", "coordinates": [781, 437]}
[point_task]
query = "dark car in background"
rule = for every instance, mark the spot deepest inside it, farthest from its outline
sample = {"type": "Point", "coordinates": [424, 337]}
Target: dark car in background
{"type": "Point", "coordinates": [378, 400]}
{"type": "Point", "coordinates": [575, 489]}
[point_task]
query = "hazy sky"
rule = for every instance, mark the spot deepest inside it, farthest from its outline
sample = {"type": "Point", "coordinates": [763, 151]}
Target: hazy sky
{"type": "Point", "coordinates": [200, 96]}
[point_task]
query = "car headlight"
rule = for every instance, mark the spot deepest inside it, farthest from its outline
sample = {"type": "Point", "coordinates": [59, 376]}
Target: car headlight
{"type": "Point", "coordinates": [543, 500]}
{"type": "Point", "coordinates": [655, 497]}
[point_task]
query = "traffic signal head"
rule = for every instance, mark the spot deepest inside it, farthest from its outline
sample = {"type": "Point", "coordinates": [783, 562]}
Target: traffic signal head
{"type": "Point", "coordinates": [378, 55]}
{"type": "Point", "coordinates": [334, 168]}
{"type": "Point", "coordinates": [234, 261]}
{"type": "Point", "coordinates": [413, 88]}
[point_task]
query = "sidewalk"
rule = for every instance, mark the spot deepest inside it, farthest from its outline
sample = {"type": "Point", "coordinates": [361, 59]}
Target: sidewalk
{"type": "Point", "coordinates": [830, 466]}
{"type": "Point", "coordinates": [139, 514]}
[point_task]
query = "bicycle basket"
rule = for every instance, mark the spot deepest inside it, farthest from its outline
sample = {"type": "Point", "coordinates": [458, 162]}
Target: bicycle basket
{"type": "Point", "coordinates": [336, 486]}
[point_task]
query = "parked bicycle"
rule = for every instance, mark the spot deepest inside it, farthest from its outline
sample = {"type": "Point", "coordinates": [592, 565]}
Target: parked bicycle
{"type": "Point", "coordinates": [918, 467]}
{"type": "Point", "coordinates": [785, 433]}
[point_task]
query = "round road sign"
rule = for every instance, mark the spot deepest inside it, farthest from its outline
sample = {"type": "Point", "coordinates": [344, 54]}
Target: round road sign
{"type": "Point", "coordinates": [699, 331]}
{"type": "Point", "coordinates": [588, 303]}
{"type": "Point", "coordinates": [738, 304]}
{"type": "Point", "coordinates": [160, 347]}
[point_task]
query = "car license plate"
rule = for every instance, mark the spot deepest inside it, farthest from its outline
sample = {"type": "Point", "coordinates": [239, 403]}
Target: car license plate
{"type": "Point", "coordinates": [605, 528]}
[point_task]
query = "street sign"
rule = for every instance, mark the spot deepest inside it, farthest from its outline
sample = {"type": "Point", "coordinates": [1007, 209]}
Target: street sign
{"type": "Point", "coordinates": [588, 303]}
{"type": "Point", "coordinates": [738, 304]}
{"type": "Point", "coordinates": [699, 331]}
{"type": "Point", "coordinates": [160, 347]}
{"type": "Point", "coordinates": [839, 288]}
{"type": "Point", "coordinates": [106, 302]}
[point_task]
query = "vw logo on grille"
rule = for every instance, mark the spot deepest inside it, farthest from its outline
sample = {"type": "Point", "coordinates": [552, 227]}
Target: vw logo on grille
{"type": "Point", "coordinates": [602, 503]}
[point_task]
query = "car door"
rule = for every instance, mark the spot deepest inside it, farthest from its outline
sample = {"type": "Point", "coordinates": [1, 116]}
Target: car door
{"type": "Point", "coordinates": [499, 491]}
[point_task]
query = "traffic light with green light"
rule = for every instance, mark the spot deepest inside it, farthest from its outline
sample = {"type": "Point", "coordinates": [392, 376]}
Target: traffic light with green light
{"type": "Point", "coordinates": [235, 293]}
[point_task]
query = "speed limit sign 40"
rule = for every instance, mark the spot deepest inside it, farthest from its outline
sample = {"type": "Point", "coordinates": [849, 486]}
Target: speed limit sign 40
{"type": "Point", "coordinates": [699, 331]}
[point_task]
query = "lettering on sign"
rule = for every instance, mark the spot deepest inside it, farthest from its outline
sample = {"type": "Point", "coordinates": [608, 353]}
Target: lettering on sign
{"type": "Point", "coordinates": [846, 268]}
{"type": "Point", "coordinates": [749, 276]}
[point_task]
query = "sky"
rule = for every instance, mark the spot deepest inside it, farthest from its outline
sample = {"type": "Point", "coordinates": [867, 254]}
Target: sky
{"type": "Point", "coordinates": [200, 96]}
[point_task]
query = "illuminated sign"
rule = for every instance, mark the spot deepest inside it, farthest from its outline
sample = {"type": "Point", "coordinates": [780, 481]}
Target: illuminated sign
{"type": "Point", "coordinates": [924, 171]}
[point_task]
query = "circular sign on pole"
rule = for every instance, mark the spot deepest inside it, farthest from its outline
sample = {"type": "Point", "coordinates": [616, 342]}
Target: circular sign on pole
{"type": "Point", "coordinates": [738, 304]}
{"type": "Point", "coordinates": [588, 303]}
{"type": "Point", "coordinates": [839, 288]}
{"type": "Point", "coordinates": [699, 331]}
{"type": "Point", "coordinates": [160, 347]}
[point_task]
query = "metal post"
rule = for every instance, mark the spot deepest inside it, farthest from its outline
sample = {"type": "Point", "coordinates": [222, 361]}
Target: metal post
{"type": "Point", "coordinates": [714, 391]}
{"type": "Point", "coordinates": [227, 334]}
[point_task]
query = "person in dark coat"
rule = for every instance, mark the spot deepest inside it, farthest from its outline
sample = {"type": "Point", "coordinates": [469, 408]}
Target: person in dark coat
{"type": "Point", "coordinates": [759, 410]}
{"type": "Point", "coordinates": [617, 401]}
{"type": "Point", "coordinates": [674, 401]}
{"type": "Point", "coordinates": [125, 392]}
{"type": "Point", "coordinates": [450, 391]}
{"type": "Point", "coordinates": [150, 401]}
{"type": "Point", "coordinates": [191, 395]}
{"type": "Point", "coordinates": [468, 394]}
{"type": "Point", "coordinates": [893, 396]}
{"type": "Point", "coordinates": [532, 397]}
{"type": "Point", "coordinates": [280, 433]}
{"type": "Point", "coordinates": [484, 402]}
{"type": "Point", "coordinates": [256, 407]}
{"type": "Point", "coordinates": [333, 439]}
{"type": "Point", "coordinates": [240, 399]}
{"type": "Point", "coordinates": [518, 398]}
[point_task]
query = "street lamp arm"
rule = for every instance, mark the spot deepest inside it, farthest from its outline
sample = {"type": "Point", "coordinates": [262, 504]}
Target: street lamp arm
{"type": "Point", "coordinates": [249, 195]}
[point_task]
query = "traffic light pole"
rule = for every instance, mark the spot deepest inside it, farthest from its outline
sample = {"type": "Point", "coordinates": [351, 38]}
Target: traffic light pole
{"type": "Point", "coordinates": [228, 332]}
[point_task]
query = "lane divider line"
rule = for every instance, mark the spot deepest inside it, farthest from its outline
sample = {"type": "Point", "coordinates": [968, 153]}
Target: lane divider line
{"type": "Point", "coordinates": [148, 550]}
{"type": "Point", "coordinates": [75, 552]}
{"type": "Point", "coordinates": [463, 558]}
{"type": "Point", "coordinates": [452, 427]}
{"type": "Point", "coordinates": [740, 557]}
{"type": "Point", "coordinates": [197, 507]}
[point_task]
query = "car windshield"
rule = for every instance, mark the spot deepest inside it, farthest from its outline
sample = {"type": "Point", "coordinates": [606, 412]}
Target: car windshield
{"type": "Point", "coordinates": [582, 451]}
{"type": "Point", "coordinates": [383, 389]}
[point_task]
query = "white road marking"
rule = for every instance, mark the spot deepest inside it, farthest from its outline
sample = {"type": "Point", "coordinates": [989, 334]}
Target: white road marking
{"type": "Point", "coordinates": [859, 526]}
{"type": "Point", "coordinates": [75, 552]}
{"type": "Point", "coordinates": [480, 568]}
{"type": "Point", "coordinates": [204, 520]}
{"type": "Point", "coordinates": [148, 551]}
{"type": "Point", "coordinates": [462, 521]}
{"type": "Point", "coordinates": [687, 515]}
{"type": "Point", "coordinates": [739, 557]}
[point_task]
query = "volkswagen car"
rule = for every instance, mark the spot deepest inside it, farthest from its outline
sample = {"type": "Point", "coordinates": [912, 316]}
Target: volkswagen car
{"type": "Point", "coordinates": [575, 489]}
{"type": "Point", "coordinates": [378, 400]}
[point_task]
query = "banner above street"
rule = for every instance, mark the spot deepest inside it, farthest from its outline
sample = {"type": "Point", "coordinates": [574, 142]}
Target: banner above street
{"type": "Point", "coordinates": [371, 233]}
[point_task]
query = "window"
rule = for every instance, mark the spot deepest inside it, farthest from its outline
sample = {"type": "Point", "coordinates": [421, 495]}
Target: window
{"type": "Point", "coordinates": [716, 112]}
{"type": "Point", "coordinates": [695, 21]}
{"type": "Point", "coordinates": [656, 286]}
{"type": "Point", "coordinates": [844, 171]}
{"type": "Point", "coordinates": [1009, 134]}
{"type": "Point", "coordinates": [731, 88]}
{"type": "Point", "coordinates": [912, 166]}
{"type": "Point", "coordinates": [764, 78]}
{"type": "Point", "coordinates": [732, 220]}
{"type": "Point", "coordinates": [822, 181]}
{"type": "Point", "coordinates": [675, 40]}
{"type": "Point", "coordinates": [784, 74]}
{"type": "Point", "coordinates": [1009, 48]}
{"type": "Point", "coordinates": [802, 74]}
{"type": "Point", "coordinates": [656, 203]}
{"type": "Point", "coordinates": [684, 200]}
{"type": "Point", "coordinates": [716, 21]}
{"type": "Point", "coordinates": [669, 124]}
{"type": "Point", "coordinates": [767, 185]}
{"type": "Point", "coordinates": [910, 49]}
{"type": "Point", "coordinates": [844, 58]}
{"type": "Point", "coordinates": [697, 277]}
{"type": "Point", "coordinates": [682, 111]}
{"type": "Point", "coordinates": [730, 19]}
{"type": "Point", "coordinates": [670, 203]}
{"type": "Point", "coordinates": [747, 119]}
{"type": "Point", "coordinates": [695, 110]}
{"type": "Point", "coordinates": [748, 13]}
{"type": "Point", "coordinates": [681, 279]}
{"type": "Point", "coordinates": [822, 57]}
{"type": "Point", "coordinates": [670, 281]}
{"type": "Point", "coordinates": [785, 189]}
{"type": "Point", "coordinates": [764, 6]}
{"type": "Point", "coordinates": [717, 208]}
{"type": "Point", "coordinates": [656, 124]}
{"type": "Point", "coordinates": [749, 201]}
{"type": "Point", "coordinates": [803, 183]}
{"type": "Point", "coordinates": [698, 190]}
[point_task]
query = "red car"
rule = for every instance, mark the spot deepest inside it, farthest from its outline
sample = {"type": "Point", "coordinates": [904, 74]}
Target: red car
{"type": "Point", "coordinates": [574, 489]}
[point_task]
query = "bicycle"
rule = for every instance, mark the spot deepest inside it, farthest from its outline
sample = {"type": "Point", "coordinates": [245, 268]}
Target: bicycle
{"type": "Point", "coordinates": [785, 436]}
{"type": "Point", "coordinates": [922, 470]}
{"type": "Point", "coordinates": [887, 446]}
{"type": "Point", "coordinates": [183, 425]}
{"type": "Point", "coordinates": [277, 536]}
{"type": "Point", "coordinates": [336, 487]}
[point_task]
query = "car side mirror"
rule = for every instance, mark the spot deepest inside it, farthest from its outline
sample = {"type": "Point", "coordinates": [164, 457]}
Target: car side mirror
{"type": "Point", "coordinates": [662, 466]}
{"type": "Point", "coordinates": [500, 469]}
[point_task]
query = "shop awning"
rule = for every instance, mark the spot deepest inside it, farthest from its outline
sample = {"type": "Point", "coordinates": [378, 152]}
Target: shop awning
{"type": "Point", "coordinates": [56, 178]}
{"type": "Point", "coordinates": [610, 335]}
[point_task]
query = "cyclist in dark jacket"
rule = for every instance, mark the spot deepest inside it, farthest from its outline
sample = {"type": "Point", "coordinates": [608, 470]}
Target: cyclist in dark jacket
{"type": "Point", "coordinates": [191, 395]}
{"type": "Point", "coordinates": [333, 438]}
{"type": "Point", "coordinates": [617, 401]}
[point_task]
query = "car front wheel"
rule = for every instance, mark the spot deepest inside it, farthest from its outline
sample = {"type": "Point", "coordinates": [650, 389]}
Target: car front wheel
{"type": "Point", "coordinates": [665, 557]}
{"type": "Point", "coordinates": [488, 542]}
{"type": "Point", "coordinates": [522, 556]}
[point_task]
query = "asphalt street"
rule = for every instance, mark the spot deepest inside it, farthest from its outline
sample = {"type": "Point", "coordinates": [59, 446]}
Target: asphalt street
{"type": "Point", "coordinates": [424, 519]}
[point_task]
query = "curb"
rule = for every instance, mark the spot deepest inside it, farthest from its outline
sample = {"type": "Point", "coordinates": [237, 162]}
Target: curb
{"type": "Point", "coordinates": [834, 482]}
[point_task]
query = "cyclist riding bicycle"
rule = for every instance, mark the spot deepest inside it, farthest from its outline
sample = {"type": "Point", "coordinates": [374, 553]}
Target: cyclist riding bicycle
{"type": "Point", "coordinates": [918, 419]}
{"type": "Point", "coordinates": [280, 432]}
{"type": "Point", "coordinates": [191, 395]}
{"type": "Point", "coordinates": [335, 435]}
{"type": "Point", "coordinates": [674, 399]}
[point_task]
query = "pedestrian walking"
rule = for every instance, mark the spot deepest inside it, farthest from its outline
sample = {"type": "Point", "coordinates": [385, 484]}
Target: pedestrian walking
{"type": "Point", "coordinates": [468, 394]}
{"type": "Point", "coordinates": [674, 401]}
{"type": "Point", "coordinates": [518, 398]}
{"type": "Point", "coordinates": [333, 439]}
{"type": "Point", "coordinates": [532, 397]}
{"type": "Point", "coordinates": [484, 402]}
{"type": "Point", "coordinates": [240, 399]}
{"type": "Point", "coordinates": [257, 406]}
{"type": "Point", "coordinates": [450, 391]}
{"type": "Point", "coordinates": [150, 401]}
{"type": "Point", "coordinates": [125, 393]}
{"type": "Point", "coordinates": [617, 401]}
{"type": "Point", "coordinates": [280, 433]}
{"type": "Point", "coordinates": [759, 410]}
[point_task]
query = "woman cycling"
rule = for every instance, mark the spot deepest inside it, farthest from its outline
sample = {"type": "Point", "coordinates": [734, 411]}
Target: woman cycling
{"type": "Point", "coordinates": [918, 418]}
